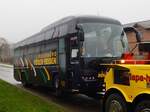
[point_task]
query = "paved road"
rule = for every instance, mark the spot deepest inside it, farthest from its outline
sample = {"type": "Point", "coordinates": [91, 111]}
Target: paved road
{"type": "Point", "coordinates": [73, 103]}
{"type": "Point", "coordinates": [6, 73]}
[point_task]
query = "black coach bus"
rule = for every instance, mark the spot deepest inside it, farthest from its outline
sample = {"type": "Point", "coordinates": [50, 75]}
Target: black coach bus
{"type": "Point", "coordinates": [66, 54]}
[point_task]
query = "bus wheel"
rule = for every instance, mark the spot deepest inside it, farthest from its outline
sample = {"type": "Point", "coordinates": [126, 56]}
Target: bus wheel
{"type": "Point", "coordinates": [143, 106]}
{"type": "Point", "coordinates": [57, 87]}
{"type": "Point", "coordinates": [115, 103]}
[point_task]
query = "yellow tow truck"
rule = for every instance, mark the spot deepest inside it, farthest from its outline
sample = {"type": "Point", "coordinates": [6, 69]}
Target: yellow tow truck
{"type": "Point", "coordinates": [127, 81]}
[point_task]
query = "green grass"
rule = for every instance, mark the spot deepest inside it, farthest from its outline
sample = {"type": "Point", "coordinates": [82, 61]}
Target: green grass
{"type": "Point", "coordinates": [13, 99]}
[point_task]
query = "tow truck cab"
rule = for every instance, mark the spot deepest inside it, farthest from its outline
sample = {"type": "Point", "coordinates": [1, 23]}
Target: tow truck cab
{"type": "Point", "coordinates": [128, 81]}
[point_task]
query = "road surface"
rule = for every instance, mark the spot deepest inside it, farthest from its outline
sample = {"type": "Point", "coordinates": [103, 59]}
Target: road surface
{"type": "Point", "coordinates": [73, 103]}
{"type": "Point", "coordinates": [6, 74]}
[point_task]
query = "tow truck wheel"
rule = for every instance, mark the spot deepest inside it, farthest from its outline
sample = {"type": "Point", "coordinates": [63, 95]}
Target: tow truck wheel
{"type": "Point", "coordinates": [143, 106]}
{"type": "Point", "coordinates": [115, 103]}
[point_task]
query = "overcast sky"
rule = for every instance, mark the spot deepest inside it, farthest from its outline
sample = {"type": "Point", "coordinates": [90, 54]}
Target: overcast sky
{"type": "Point", "coordinates": [22, 18]}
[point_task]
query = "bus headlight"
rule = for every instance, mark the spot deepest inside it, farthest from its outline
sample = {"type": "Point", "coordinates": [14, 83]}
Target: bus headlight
{"type": "Point", "coordinates": [93, 77]}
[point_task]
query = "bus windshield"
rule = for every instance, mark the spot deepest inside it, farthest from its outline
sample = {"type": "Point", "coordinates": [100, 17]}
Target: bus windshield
{"type": "Point", "coordinates": [103, 40]}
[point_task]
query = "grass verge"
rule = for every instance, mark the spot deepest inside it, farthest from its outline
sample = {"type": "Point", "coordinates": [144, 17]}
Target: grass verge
{"type": "Point", "coordinates": [13, 99]}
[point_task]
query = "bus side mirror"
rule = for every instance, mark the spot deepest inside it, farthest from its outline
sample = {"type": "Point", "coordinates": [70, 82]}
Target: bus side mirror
{"type": "Point", "coordinates": [80, 32]}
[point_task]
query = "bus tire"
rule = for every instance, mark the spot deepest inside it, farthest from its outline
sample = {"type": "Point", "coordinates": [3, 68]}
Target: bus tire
{"type": "Point", "coordinates": [115, 103]}
{"type": "Point", "coordinates": [143, 106]}
{"type": "Point", "coordinates": [57, 87]}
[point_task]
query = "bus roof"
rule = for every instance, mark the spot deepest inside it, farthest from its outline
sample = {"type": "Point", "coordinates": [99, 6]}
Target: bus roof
{"type": "Point", "coordinates": [81, 19]}
{"type": "Point", "coordinates": [69, 21]}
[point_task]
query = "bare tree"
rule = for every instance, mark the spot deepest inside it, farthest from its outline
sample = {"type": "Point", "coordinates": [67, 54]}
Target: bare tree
{"type": "Point", "coordinates": [5, 51]}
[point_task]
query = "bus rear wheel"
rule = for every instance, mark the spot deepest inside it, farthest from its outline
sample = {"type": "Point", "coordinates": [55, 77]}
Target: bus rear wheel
{"type": "Point", "coordinates": [143, 106]}
{"type": "Point", "coordinates": [115, 103]}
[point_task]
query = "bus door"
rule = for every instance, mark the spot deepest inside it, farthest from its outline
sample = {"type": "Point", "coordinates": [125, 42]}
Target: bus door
{"type": "Point", "coordinates": [74, 61]}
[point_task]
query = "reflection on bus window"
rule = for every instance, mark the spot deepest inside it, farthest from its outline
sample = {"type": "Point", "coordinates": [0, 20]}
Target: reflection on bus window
{"type": "Point", "coordinates": [103, 40]}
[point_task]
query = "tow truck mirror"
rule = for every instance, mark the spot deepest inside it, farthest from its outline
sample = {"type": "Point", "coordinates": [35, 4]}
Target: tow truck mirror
{"type": "Point", "coordinates": [137, 33]}
{"type": "Point", "coordinates": [80, 33]}
{"type": "Point", "coordinates": [138, 36]}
